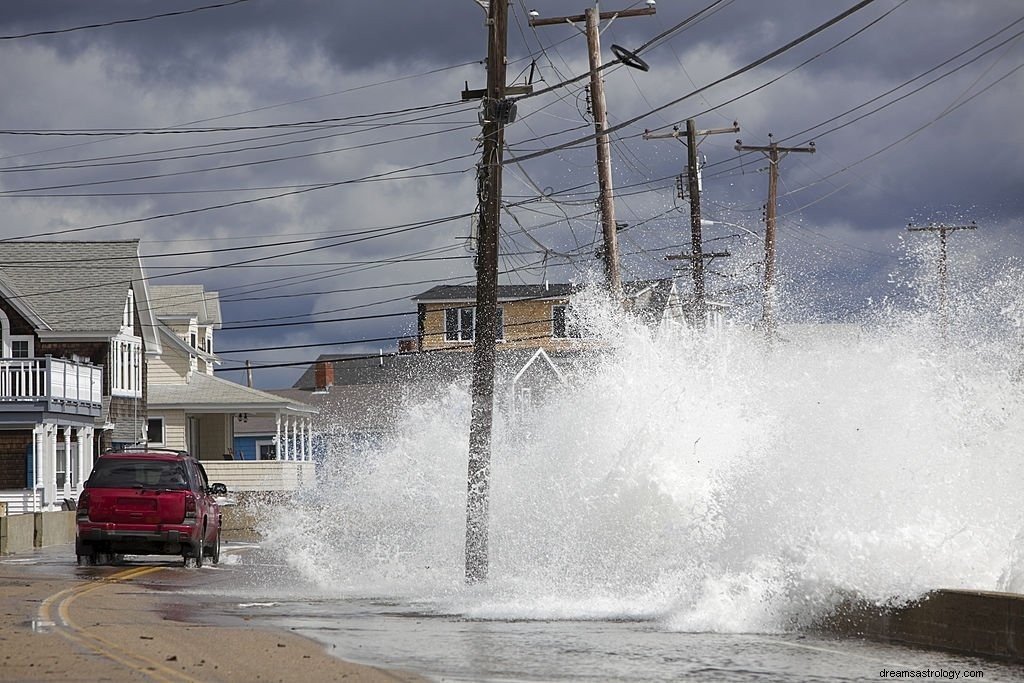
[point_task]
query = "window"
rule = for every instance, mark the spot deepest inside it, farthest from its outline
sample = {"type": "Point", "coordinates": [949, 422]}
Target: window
{"type": "Point", "coordinates": [192, 340]}
{"type": "Point", "coordinates": [155, 430]}
{"type": "Point", "coordinates": [126, 366]}
{"type": "Point", "coordinates": [460, 324]}
{"type": "Point", "coordinates": [266, 450]}
{"type": "Point", "coordinates": [562, 327]}
{"type": "Point", "coordinates": [21, 346]}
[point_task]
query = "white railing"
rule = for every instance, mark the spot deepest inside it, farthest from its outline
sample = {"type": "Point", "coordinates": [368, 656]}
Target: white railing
{"type": "Point", "coordinates": [50, 379]}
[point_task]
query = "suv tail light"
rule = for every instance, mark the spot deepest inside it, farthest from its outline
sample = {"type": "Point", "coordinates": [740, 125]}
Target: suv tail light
{"type": "Point", "coordinates": [82, 510]}
{"type": "Point", "coordinates": [190, 506]}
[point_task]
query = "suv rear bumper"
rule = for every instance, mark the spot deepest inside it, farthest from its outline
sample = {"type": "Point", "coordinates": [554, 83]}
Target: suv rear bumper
{"type": "Point", "coordinates": [161, 540]}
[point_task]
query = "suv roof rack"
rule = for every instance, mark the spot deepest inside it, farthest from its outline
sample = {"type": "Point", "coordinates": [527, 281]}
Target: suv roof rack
{"type": "Point", "coordinates": [138, 448]}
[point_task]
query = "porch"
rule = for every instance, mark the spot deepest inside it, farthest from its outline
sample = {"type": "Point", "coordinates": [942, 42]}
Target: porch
{"type": "Point", "coordinates": [48, 411]}
{"type": "Point", "coordinates": [49, 385]}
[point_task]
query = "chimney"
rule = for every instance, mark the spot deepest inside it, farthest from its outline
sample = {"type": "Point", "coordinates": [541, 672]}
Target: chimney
{"type": "Point", "coordinates": [324, 375]}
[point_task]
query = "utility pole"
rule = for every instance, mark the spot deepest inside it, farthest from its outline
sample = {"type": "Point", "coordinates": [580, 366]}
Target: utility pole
{"type": "Point", "coordinates": [696, 255]}
{"type": "Point", "coordinates": [943, 231]}
{"type": "Point", "coordinates": [775, 154]}
{"type": "Point", "coordinates": [609, 227]}
{"type": "Point", "coordinates": [497, 111]}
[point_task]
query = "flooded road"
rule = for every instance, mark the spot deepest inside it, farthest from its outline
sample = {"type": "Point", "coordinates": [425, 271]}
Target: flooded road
{"type": "Point", "coordinates": [415, 636]}
{"type": "Point", "coordinates": [250, 593]}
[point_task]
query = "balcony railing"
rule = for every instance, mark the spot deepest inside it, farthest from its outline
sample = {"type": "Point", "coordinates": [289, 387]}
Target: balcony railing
{"type": "Point", "coordinates": [50, 384]}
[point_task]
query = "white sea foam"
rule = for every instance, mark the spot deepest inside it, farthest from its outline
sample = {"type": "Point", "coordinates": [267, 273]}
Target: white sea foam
{"type": "Point", "coordinates": [704, 480]}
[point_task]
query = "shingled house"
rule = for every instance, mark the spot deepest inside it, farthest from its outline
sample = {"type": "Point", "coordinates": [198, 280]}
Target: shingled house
{"type": "Point", "coordinates": [191, 409]}
{"type": "Point", "coordinates": [76, 330]}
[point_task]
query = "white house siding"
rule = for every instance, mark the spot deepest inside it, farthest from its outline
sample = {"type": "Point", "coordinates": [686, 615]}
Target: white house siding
{"type": "Point", "coordinates": [214, 436]}
{"type": "Point", "coordinates": [170, 368]}
{"type": "Point", "coordinates": [174, 427]}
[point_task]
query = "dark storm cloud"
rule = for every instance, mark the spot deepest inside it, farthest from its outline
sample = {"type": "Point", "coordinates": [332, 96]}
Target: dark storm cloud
{"type": "Point", "coordinates": [844, 208]}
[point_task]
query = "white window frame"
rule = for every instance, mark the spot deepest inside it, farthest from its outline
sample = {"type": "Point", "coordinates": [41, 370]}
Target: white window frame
{"type": "Point", "coordinates": [458, 335]}
{"type": "Point", "coordinates": [163, 430]}
{"type": "Point", "coordinates": [19, 338]}
{"type": "Point", "coordinates": [126, 366]}
{"type": "Point", "coordinates": [261, 443]}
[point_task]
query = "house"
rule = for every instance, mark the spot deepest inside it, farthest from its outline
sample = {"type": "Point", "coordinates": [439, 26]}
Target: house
{"type": "Point", "coordinates": [362, 399]}
{"type": "Point", "coordinates": [530, 316]}
{"type": "Point", "coordinates": [76, 330]}
{"type": "Point", "coordinates": [191, 409]}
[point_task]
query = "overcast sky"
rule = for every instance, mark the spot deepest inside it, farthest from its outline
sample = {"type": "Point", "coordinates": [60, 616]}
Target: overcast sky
{"type": "Point", "coordinates": [393, 167]}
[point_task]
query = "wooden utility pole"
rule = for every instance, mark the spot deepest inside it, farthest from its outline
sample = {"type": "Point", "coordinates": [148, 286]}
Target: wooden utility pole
{"type": "Point", "coordinates": [497, 111]}
{"type": "Point", "coordinates": [775, 154]}
{"type": "Point", "coordinates": [696, 255]}
{"type": "Point", "coordinates": [606, 198]}
{"type": "Point", "coordinates": [943, 231]}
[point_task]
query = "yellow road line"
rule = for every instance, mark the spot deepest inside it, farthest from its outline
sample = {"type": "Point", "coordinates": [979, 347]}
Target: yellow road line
{"type": "Point", "coordinates": [72, 631]}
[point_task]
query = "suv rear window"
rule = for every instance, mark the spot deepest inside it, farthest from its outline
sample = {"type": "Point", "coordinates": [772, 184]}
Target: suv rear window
{"type": "Point", "coordinates": [126, 473]}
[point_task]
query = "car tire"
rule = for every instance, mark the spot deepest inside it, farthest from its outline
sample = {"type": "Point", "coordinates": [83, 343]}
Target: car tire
{"type": "Point", "coordinates": [213, 552]}
{"type": "Point", "coordinates": [195, 557]}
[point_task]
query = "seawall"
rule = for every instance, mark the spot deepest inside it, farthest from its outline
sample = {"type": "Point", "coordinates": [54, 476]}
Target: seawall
{"type": "Point", "coordinates": [969, 622]}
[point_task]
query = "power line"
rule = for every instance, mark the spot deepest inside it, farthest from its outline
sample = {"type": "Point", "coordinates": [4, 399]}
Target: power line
{"type": "Point", "coordinates": [122, 21]}
{"type": "Point", "coordinates": [323, 186]}
{"type": "Point", "coordinates": [752, 65]}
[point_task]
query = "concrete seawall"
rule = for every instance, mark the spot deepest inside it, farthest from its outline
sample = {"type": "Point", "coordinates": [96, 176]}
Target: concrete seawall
{"type": "Point", "coordinates": [21, 533]}
{"type": "Point", "coordinates": [969, 622]}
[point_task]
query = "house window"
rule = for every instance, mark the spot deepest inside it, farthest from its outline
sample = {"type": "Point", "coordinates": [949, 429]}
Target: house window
{"type": "Point", "coordinates": [21, 346]}
{"type": "Point", "coordinates": [155, 430]}
{"type": "Point", "coordinates": [561, 326]}
{"type": "Point", "coordinates": [126, 366]}
{"type": "Point", "coordinates": [460, 324]}
{"type": "Point", "coordinates": [192, 340]}
{"type": "Point", "coordinates": [266, 450]}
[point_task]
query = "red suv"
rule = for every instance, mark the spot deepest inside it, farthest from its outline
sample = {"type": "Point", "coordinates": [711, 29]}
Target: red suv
{"type": "Point", "coordinates": [148, 503]}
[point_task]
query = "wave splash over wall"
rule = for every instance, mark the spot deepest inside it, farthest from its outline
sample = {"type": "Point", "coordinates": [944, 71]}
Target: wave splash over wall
{"type": "Point", "coordinates": [702, 480]}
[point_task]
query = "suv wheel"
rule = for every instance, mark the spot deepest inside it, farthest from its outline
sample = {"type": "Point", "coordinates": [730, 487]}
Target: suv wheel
{"type": "Point", "coordinates": [195, 557]}
{"type": "Point", "coordinates": [213, 551]}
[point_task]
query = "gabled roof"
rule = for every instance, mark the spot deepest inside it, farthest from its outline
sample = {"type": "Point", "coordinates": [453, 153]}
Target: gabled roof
{"type": "Point", "coordinates": [72, 288]}
{"type": "Point", "coordinates": [204, 393]}
{"type": "Point", "coordinates": [175, 341]}
{"type": "Point", "coordinates": [169, 302]}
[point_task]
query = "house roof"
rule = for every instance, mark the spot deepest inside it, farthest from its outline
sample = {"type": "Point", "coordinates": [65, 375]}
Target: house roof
{"type": "Point", "coordinates": [205, 393]}
{"type": "Point", "coordinates": [553, 290]}
{"type": "Point", "coordinates": [72, 287]}
{"type": "Point", "coordinates": [407, 369]}
{"type": "Point", "coordinates": [505, 292]}
{"type": "Point", "coordinates": [357, 407]}
{"type": "Point", "coordinates": [185, 301]}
